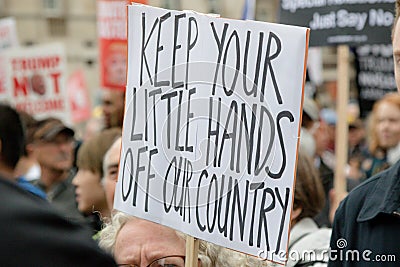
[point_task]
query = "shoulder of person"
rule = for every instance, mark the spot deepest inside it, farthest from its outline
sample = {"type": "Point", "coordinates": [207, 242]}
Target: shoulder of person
{"type": "Point", "coordinates": [309, 245]}
{"type": "Point", "coordinates": [370, 198]}
{"type": "Point", "coordinates": [27, 219]}
{"type": "Point", "coordinates": [311, 250]}
{"type": "Point", "coordinates": [309, 236]}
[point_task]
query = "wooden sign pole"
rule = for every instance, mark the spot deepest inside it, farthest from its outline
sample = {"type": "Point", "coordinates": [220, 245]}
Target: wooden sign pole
{"type": "Point", "coordinates": [341, 142]}
{"type": "Point", "coordinates": [192, 252]}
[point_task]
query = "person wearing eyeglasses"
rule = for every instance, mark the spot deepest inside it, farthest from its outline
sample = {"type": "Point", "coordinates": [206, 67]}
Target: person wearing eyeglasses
{"type": "Point", "coordinates": [136, 242]}
{"type": "Point", "coordinates": [144, 243]}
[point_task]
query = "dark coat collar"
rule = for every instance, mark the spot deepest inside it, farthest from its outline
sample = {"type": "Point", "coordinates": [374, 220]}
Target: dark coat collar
{"type": "Point", "coordinates": [384, 196]}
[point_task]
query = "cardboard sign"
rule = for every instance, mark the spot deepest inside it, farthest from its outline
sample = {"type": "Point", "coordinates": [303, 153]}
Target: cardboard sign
{"type": "Point", "coordinates": [211, 127]}
{"type": "Point", "coordinates": [375, 74]}
{"type": "Point", "coordinates": [35, 80]}
{"type": "Point", "coordinates": [334, 22]}
{"type": "Point", "coordinates": [8, 38]}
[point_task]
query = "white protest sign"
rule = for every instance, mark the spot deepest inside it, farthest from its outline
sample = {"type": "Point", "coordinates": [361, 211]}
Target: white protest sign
{"type": "Point", "coordinates": [8, 38]}
{"type": "Point", "coordinates": [36, 80]}
{"type": "Point", "coordinates": [211, 127]}
{"type": "Point", "coordinates": [8, 33]}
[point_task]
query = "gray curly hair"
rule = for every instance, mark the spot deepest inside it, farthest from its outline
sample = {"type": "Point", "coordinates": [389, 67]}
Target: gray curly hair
{"type": "Point", "coordinates": [210, 255]}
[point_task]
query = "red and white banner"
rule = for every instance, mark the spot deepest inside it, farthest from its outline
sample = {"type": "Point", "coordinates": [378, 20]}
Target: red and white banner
{"type": "Point", "coordinates": [35, 81]}
{"type": "Point", "coordinates": [8, 33]}
{"type": "Point", "coordinates": [78, 96]}
{"type": "Point", "coordinates": [8, 39]}
{"type": "Point", "coordinates": [112, 33]}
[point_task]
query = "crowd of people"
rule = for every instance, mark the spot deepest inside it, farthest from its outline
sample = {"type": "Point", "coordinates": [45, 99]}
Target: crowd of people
{"type": "Point", "coordinates": [58, 193]}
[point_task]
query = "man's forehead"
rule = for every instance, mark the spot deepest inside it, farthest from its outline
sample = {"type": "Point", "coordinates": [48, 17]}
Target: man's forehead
{"type": "Point", "coordinates": [112, 94]}
{"type": "Point", "coordinates": [113, 154]}
{"type": "Point", "coordinates": [112, 165]}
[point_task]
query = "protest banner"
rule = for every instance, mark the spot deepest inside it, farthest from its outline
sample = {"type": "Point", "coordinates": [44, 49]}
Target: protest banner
{"type": "Point", "coordinates": [36, 82]}
{"type": "Point", "coordinates": [343, 23]}
{"type": "Point", "coordinates": [211, 127]}
{"type": "Point", "coordinates": [335, 22]}
{"type": "Point", "coordinates": [8, 38]}
{"type": "Point", "coordinates": [78, 95]}
{"type": "Point", "coordinates": [112, 34]}
{"type": "Point", "coordinates": [375, 74]}
{"type": "Point", "coordinates": [8, 33]}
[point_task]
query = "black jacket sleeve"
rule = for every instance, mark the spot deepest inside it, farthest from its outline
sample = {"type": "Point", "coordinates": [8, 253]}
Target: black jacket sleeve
{"type": "Point", "coordinates": [34, 234]}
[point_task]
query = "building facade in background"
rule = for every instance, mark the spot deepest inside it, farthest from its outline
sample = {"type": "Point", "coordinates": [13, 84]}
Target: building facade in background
{"type": "Point", "coordinates": [73, 22]}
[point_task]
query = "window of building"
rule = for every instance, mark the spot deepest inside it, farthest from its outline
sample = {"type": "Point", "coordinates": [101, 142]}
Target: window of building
{"type": "Point", "coordinates": [53, 8]}
{"type": "Point", "coordinates": [57, 27]}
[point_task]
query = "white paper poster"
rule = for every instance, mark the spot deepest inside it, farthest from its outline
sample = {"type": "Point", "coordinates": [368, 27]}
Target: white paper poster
{"type": "Point", "coordinates": [8, 39]}
{"type": "Point", "coordinates": [36, 81]}
{"type": "Point", "coordinates": [211, 127]}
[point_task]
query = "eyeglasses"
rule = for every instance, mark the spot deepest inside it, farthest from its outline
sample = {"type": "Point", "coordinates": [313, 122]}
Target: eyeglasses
{"type": "Point", "coordinates": [168, 261]}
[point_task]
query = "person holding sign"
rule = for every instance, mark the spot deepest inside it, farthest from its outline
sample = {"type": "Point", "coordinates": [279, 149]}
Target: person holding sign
{"type": "Point", "coordinates": [210, 139]}
{"type": "Point", "coordinates": [108, 236]}
{"type": "Point", "coordinates": [366, 226]}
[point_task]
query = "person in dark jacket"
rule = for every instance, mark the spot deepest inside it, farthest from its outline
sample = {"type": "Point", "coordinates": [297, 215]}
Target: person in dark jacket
{"type": "Point", "coordinates": [366, 227]}
{"type": "Point", "coordinates": [32, 232]}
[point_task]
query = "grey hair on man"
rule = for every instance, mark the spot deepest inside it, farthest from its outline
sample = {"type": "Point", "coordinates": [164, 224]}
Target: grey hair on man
{"type": "Point", "coordinates": [210, 255]}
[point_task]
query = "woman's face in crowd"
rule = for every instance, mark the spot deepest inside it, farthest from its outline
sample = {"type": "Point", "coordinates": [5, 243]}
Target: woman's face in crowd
{"type": "Point", "coordinates": [89, 192]}
{"type": "Point", "coordinates": [140, 242]}
{"type": "Point", "coordinates": [388, 124]}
